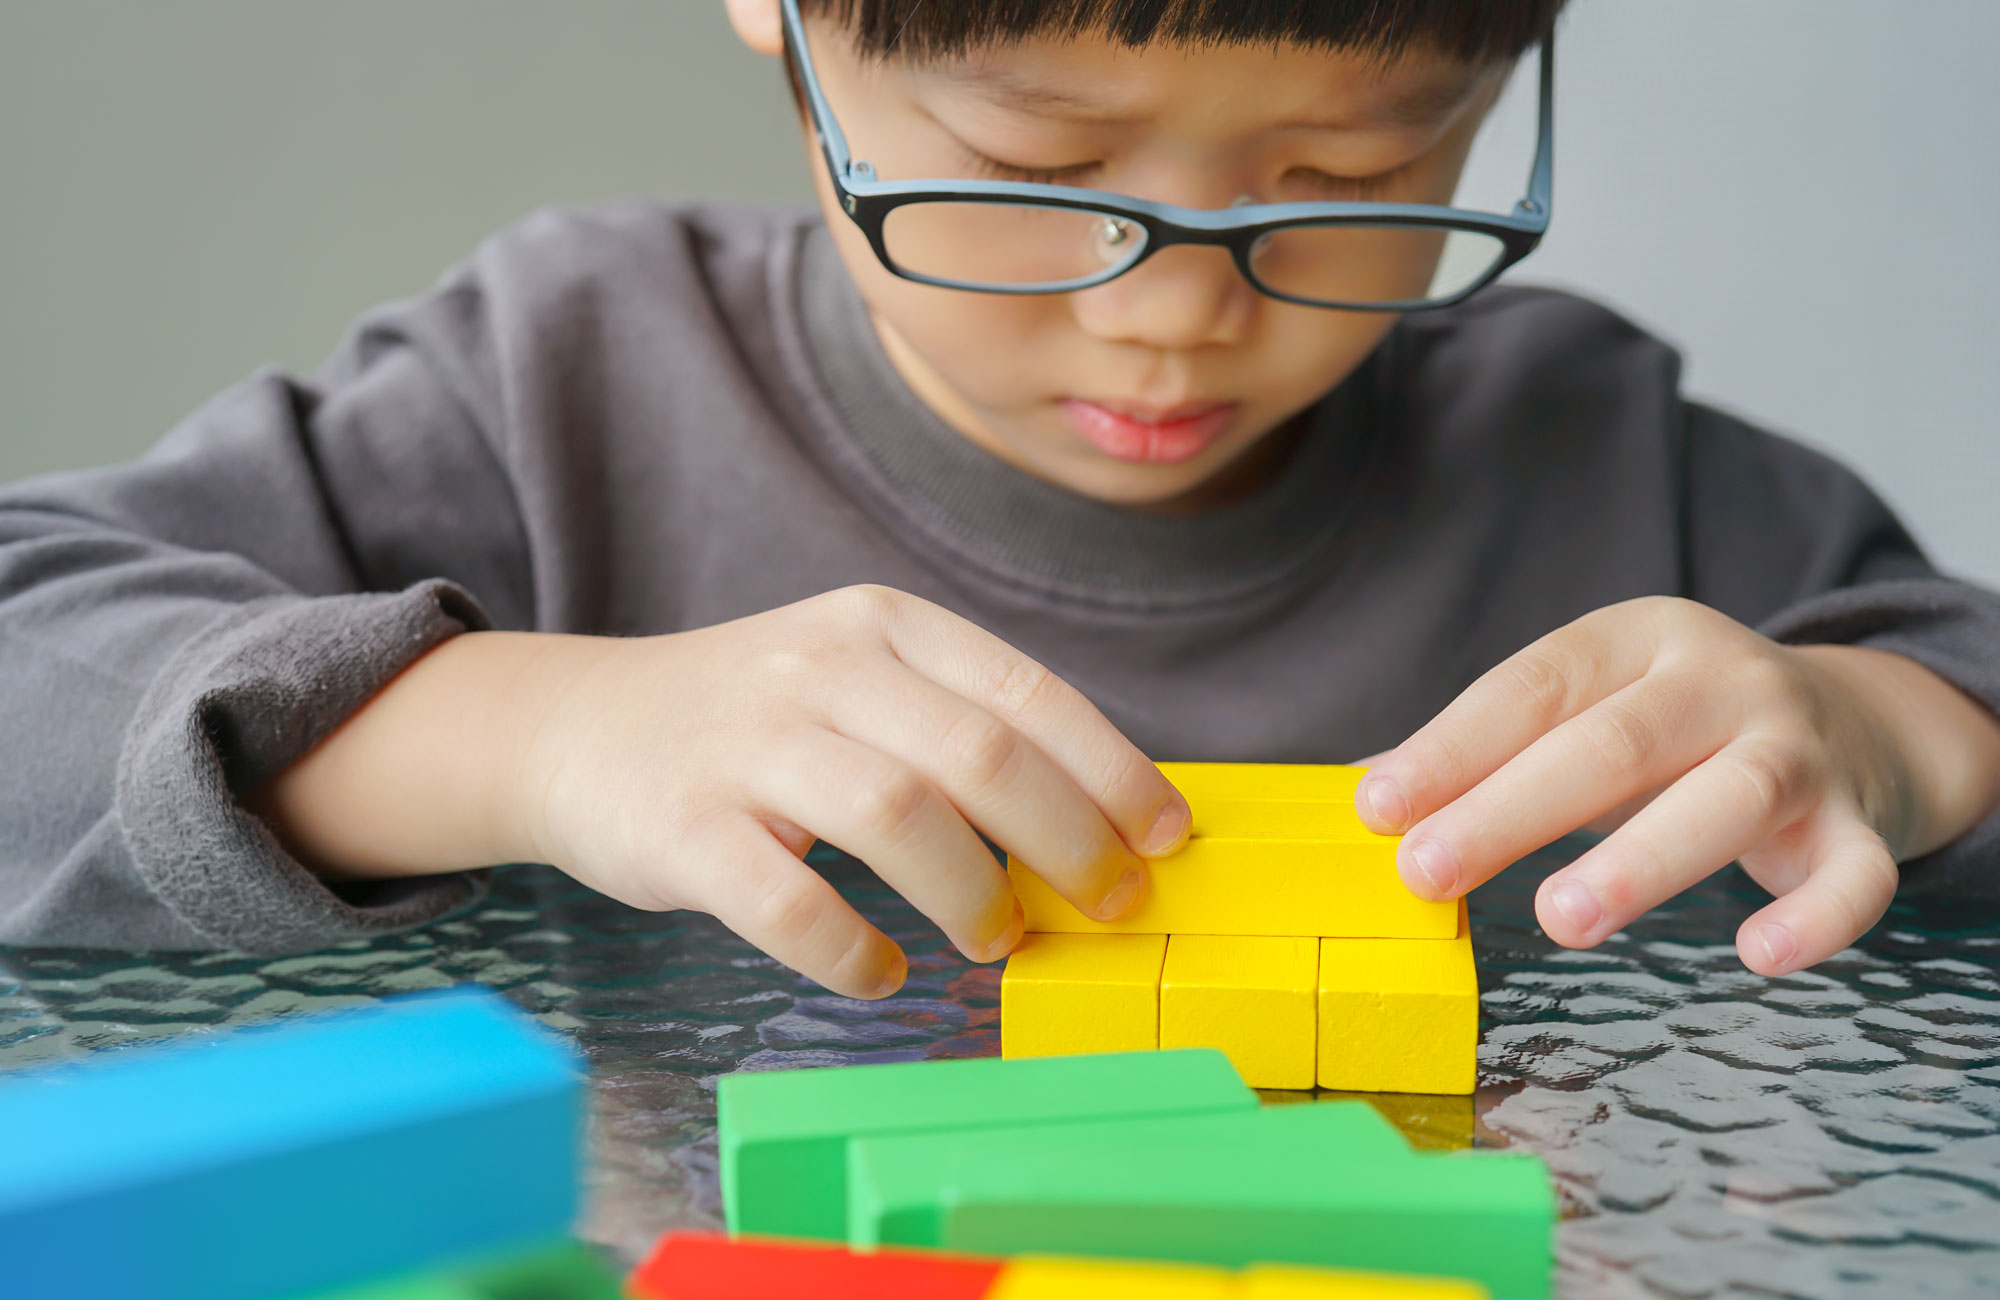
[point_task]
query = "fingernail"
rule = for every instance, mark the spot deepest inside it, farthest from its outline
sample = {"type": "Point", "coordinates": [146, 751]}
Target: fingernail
{"type": "Point", "coordinates": [1385, 804]}
{"type": "Point", "coordinates": [1437, 865]}
{"type": "Point", "coordinates": [898, 972]}
{"type": "Point", "coordinates": [1578, 904]}
{"type": "Point", "coordinates": [1009, 937]}
{"type": "Point", "coordinates": [1119, 899]}
{"type": "Point", "coordinates": [1779, 945]}
{"type": "Point", "coordinates": [1168, 829]}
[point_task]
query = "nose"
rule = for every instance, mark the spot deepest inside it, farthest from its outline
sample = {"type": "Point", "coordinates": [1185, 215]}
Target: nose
{"type": "Point", "coordinates": [1179, 299]}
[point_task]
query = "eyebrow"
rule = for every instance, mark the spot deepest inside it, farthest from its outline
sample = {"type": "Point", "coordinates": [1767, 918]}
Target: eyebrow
{"type": "Point", "coordinates": [1422, 104]}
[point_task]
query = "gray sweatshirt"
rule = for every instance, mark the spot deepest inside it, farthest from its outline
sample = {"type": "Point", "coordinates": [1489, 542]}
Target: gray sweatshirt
{"type": "Point", "coordinates": [638, 420]}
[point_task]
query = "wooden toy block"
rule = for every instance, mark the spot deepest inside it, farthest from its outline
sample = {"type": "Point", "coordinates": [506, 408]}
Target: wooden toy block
{"type": "Point", "coordinates": [1329, 1184]}
{"type": "Point", "coordinates": [1398, 1015]}
{"type": "Point", "coordinates": [784, 1136]}
{"type": "Point", "coordinates": [1281, 888]}
{"type": "Point", "coordinates": [1065, 994]}
{"type": "Point", "coordinates": [424, 1287]}
{"type": "Point", "coordinates": [1277, 1282]}
{"type": "Point", "coordinates": [1254, 998]}
{"type": "Point", "coordinates": [1264, 782]}
{"type": "Point", "coordinates": [708, 1266]}
{"type": "Point", "coordinates": [210, 1170]}
{"type": "Point", "coordinates": [1220, 819]}
{"type": "Point", "coordinates": [1033, 1277]}
{"type": "Point", "coordinates": [562, 1271]}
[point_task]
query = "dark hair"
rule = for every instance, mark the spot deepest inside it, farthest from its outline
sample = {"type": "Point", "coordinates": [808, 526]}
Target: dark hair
{"type": "Point", "coordinates": [1473, 30]}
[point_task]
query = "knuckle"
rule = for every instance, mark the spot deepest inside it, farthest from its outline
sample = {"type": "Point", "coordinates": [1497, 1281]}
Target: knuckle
{"type": "Point", "coordinates": [1019, 685]}
{"type": "Point", "coordinates": [890, 805]}
{"type": "Point", "coordinates": [869, 603]}
{"type": "Point", "coordinates": [787, 914]}
{"type": "Point", "coordinates": [979, 751]}
{"type": "Point", "coordinates": [801, 661]}
{"type": "Point", "coordinates": [1771, 778]}
{"type": "Point", "coordinates": [1671, 612]}
{"type": "Point", "coordinates": [1620, 735]}
{"type": "Point", "coordinates": [1543, 678]}
{"type": "Point", "coordinates": [1769, 677]}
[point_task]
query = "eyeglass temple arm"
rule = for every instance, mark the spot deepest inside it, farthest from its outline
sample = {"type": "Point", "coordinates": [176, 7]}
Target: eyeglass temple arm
{"type": "Point", "coordinates": [1541, 176]}
{"type": "Point", "coordinates": [832, 141]}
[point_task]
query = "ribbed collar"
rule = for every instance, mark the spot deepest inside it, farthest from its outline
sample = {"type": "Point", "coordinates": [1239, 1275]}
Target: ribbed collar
{"type": "Point", "coordinates": [1031, 533]}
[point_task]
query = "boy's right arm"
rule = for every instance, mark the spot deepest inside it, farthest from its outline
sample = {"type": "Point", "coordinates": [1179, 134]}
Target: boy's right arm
{"type": "Point", "coordinates": [300, 561]}
{"type": "Point", "coordinates": [693, 770]}
{"type": "Point", "coordinates": [176, 631]}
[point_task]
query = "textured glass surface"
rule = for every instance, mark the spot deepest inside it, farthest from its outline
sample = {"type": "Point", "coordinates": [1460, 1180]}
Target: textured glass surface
{"type": "Point", "coordinates": [1713, 1133]}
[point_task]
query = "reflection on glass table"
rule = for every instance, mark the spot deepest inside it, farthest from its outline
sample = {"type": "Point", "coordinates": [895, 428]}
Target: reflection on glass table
{"type": "Point", "coordinates": [1834, 1132]}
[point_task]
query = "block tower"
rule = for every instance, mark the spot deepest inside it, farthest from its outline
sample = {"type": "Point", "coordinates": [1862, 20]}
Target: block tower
{"type": "Point", "coordinates": [1281, 935]}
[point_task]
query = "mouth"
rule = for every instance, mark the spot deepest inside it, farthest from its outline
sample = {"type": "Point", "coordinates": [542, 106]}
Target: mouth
{"type": "Point", "coordinates": [1143, 435]}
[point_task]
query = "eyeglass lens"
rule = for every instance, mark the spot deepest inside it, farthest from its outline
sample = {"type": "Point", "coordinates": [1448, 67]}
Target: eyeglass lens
{"type": "Point", "coordinates": [1023, 245]}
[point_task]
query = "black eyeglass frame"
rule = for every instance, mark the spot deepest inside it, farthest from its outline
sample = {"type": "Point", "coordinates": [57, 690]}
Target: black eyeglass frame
{"type": "Point", "coordinates": [868, 201]}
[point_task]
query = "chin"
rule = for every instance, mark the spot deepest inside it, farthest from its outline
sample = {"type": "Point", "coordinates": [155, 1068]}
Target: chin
{"type": "Point", "coordinates": [1117, 484]}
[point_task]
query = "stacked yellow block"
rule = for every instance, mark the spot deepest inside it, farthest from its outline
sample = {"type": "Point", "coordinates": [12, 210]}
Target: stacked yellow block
{"type": "Point", "coordinates": [1281, 934]}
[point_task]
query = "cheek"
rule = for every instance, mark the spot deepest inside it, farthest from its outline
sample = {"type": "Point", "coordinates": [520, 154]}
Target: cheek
{"type": "Point", "coordinates": [1301, 352]}
{"type": "Point", "coordinates": [993, 349]}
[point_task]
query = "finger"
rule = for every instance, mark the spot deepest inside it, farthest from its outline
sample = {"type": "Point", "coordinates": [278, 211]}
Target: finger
{"type": "Point", "coordinates": [1727, 806]}
{"type": "Point", "coordinates": [1504, 711]}
{"type": "Point", "coordinates": [1615, 751]}
{"type": "Point", "coordinates": [885, 813]}
{"type": "Point", "coordinates": [1141, 804]}
{"type": "Point", "coordinates": [1001, 781]}
{"type": "Point", "coordinates": [784, 907]}
{"type": "Point", "coordinates": [1850, 882]}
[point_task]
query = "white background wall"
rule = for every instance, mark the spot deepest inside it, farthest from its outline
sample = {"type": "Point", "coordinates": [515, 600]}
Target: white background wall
{"type": "Point", "coordinates": [1802, 193]}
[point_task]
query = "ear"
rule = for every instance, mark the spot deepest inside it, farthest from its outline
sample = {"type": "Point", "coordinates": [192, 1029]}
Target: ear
{"type": "Point", "coordinates": [758, 25]}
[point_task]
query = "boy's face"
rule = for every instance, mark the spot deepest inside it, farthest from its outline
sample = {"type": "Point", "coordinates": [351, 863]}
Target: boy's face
{"type": "Point", "coordinates": [1152, 389]}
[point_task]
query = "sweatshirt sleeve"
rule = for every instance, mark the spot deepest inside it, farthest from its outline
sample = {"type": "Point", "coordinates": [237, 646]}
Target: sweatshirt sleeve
{"type": "Point", "coordinates": [176, 631]}
{"type": "Point", "coordinates": [1794, 544]}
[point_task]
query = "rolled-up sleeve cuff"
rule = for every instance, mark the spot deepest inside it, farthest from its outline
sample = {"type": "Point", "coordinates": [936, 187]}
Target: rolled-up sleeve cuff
{"type": "Point", "coordinates": [236, 706]}
{"type": "Point", "coordinates": [1951, 628]}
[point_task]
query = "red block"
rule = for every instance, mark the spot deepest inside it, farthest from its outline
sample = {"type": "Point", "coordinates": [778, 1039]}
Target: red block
{"type": "Point", "coordinates": [709, 1266]}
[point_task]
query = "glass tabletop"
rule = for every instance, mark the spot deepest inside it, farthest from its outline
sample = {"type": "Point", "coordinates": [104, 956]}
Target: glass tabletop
{"type": "Point", "coordinates": [1835, 1132]}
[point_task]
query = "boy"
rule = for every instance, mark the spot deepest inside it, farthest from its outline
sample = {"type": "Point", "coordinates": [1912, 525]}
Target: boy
{"type": "Point", "coordinates": [658, 544]}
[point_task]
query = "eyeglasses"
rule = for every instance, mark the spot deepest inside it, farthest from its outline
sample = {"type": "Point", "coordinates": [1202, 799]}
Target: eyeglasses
{"type": "Point", "coordinates": [1027, 238]}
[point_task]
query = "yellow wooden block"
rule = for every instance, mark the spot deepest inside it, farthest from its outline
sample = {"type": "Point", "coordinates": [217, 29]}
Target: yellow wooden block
{"type": "Point", "coordinates": [1265, 782]}
{"type": "Point", "coordinates": [1243, 819]}
{"type": "Point", "coordinates": [1253, 998]}
{"type": "Point", "coordinates": [1399, 1015]}
{"type": "Point", "coordinates": [1034, 1277]}
{"type": "Point", "coordinates": [1066, 994]}
{"type": "Point", "coordinates": [1347, 888]}
{"type": "Point", "coordinates": [1278, 1282]}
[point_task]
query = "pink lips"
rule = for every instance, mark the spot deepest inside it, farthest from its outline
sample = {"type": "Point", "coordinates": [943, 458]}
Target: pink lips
{"type": "Point", "coordinates": [1149, 437]}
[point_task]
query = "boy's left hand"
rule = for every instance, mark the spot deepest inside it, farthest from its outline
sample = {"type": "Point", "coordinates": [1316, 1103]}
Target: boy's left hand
{"type": "Point", "coordinates": [1817, 767]}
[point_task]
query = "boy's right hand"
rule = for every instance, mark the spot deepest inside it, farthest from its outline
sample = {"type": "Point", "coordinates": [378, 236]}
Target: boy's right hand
{"type": "Point", "coordinates": [694, 770]}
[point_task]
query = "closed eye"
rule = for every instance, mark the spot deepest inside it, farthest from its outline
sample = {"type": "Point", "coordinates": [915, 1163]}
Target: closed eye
{"type": "Point", "coordinates": [992, 168]}
{"type": "Point", "coordinates": [1353, 189]}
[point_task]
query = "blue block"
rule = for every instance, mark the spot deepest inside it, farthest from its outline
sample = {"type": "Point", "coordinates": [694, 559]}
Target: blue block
{"type": "Point", "coordinates": [291, 1158]}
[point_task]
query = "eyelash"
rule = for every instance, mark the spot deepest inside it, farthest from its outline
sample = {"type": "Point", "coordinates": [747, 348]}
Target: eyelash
{"type": "Point", "coordinates": [994, 169]}
{"type": "Point", "coordinates": [1358, 189]}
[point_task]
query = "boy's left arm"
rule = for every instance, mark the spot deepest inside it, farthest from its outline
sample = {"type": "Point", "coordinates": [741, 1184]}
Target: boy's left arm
{"type": "Point", "coordinates": [1819, 706]}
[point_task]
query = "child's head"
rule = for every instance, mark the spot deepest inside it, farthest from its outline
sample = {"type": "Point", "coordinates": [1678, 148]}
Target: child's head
{"type": "Point", "coordinates": [1152, 388]}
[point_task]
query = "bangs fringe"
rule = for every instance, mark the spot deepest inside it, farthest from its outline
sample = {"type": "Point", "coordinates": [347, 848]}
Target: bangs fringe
{"type": "Point", "coordinates": [1472, 30]}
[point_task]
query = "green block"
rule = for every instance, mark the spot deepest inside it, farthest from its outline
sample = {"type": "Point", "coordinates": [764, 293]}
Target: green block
{"type": "Point", "coordinates": [1330, 1184]}
{"type": "Point", "coordinates": [784, 1135]}
{"type": "Point", "coordinates": [563, 1271]}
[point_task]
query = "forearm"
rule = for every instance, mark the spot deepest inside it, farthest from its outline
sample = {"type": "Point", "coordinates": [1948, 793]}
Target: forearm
{"type": "Point", "coordinates": [429, 776]}
{"type": "Point", "coordinates": [1943, 775]}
